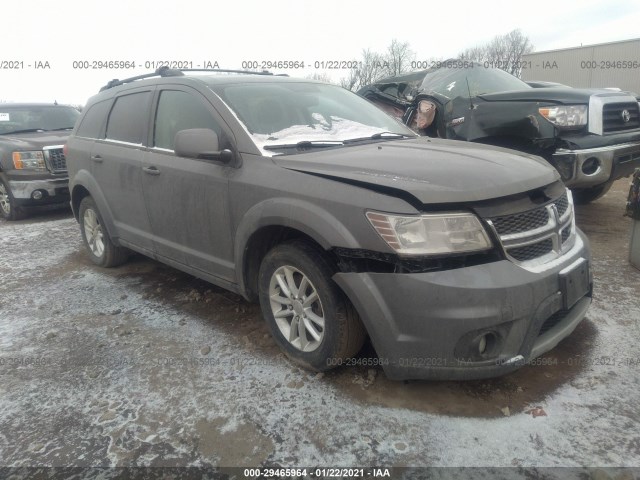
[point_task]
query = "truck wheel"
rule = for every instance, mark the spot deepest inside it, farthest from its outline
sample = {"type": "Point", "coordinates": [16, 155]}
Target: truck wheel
{"type": "Point", "coordinates": [101, 249]}
{"type": "Point", "coordinates": [582, 196]}
{"type": "Point", "coordinates": [8, 208]}
{"type": "Point", "coordinates": [309, 317]}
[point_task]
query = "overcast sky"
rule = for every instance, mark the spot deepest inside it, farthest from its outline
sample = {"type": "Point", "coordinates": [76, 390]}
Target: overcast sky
{"type": "Point", "coordinates": [231, 32]}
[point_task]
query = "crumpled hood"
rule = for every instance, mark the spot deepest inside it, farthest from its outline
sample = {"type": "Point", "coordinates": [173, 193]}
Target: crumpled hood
{"type": "Point", "coordinates": [35, 140]}
{"type": "Point", "coordinates": [431, 170]}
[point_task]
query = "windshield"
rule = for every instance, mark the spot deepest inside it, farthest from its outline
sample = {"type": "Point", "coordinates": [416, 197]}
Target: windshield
{"type": "Point", "coordinates": [458, 82]}
{"type": "Point", "coordinates": [284, 114]}
{"type": "Point", "coordinates": [33, 118]}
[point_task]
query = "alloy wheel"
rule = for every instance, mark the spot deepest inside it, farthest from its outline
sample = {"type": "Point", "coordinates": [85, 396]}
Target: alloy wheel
{"type": "Point", "coordinates": [297, 308]}
{"type": "Point", "coordinates": [5, 203]}
{"type": "Point", "coordinates": [93, 232]}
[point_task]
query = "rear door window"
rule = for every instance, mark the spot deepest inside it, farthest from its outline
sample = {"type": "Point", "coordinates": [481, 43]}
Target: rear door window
{"type": "Point", "coordinates": [128, 118]}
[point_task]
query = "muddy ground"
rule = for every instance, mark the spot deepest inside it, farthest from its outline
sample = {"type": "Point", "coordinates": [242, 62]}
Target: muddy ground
{"type": "Point", "coordinates": [143, 365]}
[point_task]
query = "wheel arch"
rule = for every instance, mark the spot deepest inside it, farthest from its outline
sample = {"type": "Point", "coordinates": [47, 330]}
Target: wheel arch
{"type": "Point", "coordinates": [84, 185]}
{"type": "Point", "coordinates": [269, 223]}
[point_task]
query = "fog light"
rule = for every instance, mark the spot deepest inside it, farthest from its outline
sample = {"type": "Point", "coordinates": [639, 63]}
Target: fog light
{"type": "Point", "coordinates": [36, 194]}
{"type": "Point", "coordinates": [486, 344]}
{"type": "Point", "coordinates": [482, 346]}
{"type": "Point", "coordinates": [591, 166]}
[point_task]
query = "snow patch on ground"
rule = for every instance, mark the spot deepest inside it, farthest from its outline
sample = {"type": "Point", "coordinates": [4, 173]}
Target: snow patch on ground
{"type": "Point", "coordinates": [125, 382]}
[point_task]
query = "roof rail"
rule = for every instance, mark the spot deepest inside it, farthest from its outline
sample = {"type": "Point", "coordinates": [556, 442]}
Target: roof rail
{"type": "Point", "coordinates": [170, 72]}
{"type": "Point", "coordinates": [162, 72]}
{"type": "Point", "coordinates": [222, 70]}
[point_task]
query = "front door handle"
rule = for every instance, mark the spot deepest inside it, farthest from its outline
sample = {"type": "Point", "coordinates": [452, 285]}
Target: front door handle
{"type": "Point", "coordinates": [97, 158]}
{"type": "Point", "coordinates": [151, 170]}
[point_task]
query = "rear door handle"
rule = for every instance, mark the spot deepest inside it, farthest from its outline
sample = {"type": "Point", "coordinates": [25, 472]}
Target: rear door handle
{"type": "Point", "coordinates": [151, 170]}
{"type": "Point", "coordinates": [97, 158]}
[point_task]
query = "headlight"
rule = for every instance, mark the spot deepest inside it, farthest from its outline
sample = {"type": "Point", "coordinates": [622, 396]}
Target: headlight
{"type": "Point", "coordinates": [431, 234]}
{"type": "Point", "coordinates": [566, 116]}
{"type": "Point", "coordinates": [29, 160]}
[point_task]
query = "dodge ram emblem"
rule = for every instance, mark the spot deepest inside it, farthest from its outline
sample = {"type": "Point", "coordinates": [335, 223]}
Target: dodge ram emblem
{"type": "Point", "coordinates": [626, 116]}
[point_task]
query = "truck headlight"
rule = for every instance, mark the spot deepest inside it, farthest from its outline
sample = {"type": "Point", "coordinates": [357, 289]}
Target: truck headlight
{"type": "Point", "coordinates": [566, 116]}
{"type": "Point", "coordinates": [431, 234]}
{"type": "Point", "coordinates": [29, 160]}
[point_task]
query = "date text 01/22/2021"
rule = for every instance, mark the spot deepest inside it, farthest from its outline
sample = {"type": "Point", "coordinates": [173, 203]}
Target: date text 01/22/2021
{"type": "Point", "coordinates": [329, 472]}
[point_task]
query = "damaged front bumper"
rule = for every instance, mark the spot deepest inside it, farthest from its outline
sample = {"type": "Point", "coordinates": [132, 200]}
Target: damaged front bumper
{"type": "Point", "coordinates": [589, 167]}
{"type": "Point", "coordinates": [473, 322]}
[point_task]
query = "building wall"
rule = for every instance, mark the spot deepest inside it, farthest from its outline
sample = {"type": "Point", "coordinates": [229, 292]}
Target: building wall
{"type": "Point", "coordinates": [593, 66]}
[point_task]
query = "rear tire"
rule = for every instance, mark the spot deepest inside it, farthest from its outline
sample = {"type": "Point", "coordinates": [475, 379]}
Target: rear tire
{"type": "Point", "coordinates": [310, 318]}
{"type": "Point", "coordinates": [582, 196]}
{"type": "Point", "coordinates": [8, 208]}
{"type": "Point", "coordinates": [102, 250]}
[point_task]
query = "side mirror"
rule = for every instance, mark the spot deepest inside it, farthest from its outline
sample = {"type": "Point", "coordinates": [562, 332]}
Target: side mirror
{"type": "Point", "coordinates": [201, 143]}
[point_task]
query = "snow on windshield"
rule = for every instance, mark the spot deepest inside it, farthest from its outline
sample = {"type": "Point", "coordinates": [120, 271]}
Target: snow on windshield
{"type": "Point", "coordinates": [334, 130]}
{"type": "Point", "coordinates": [284, 112]}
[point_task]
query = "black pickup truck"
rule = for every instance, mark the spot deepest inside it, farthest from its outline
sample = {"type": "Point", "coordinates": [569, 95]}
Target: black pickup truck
{"type": "Point", "coordinates": [592, 137]}
{"type": "Point", "coordinates": [33, 168]}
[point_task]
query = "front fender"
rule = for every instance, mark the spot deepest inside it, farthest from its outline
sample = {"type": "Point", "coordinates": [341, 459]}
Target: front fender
{"type": "Point", "coordinates": [297, 214]}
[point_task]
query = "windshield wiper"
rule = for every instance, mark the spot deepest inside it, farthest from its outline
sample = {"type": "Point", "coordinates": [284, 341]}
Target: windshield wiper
{"type": "Point", "coordinates": [379, 136]}
{"type": "Point", "coordinates": [306, 144]}
{"type": "Point", "coordinates": [59, 129]}
{"type": "Point", "coordinates": [26, 130]}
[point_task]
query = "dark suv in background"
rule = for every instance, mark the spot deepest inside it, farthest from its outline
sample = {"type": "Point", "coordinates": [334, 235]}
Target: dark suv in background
{"type": "Point", "coordinates": [458, 260]}
{"type": "Point", "coordinates": [33, 169]}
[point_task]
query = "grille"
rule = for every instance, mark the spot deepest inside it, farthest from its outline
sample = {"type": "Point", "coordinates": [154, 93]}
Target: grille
{"type": "Point", "coordinates": [535, 233]}
{"type": "Point", "coordinates": [56, 159]}
{"type": "Point", "coordinates": [552, 321]}
{"type": "Point", "coordinates": [530, 252]}
{"type": "Point", "coordinates": [562, 204]}
{"type": "Point", "coordinates": [521, 222]}
{"type": "Point", "coordinates": [612, 118]}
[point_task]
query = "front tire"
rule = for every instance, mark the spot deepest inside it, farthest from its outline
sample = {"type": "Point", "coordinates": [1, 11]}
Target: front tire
{"type": "Point", "coordinates": [309, 317]}
{"type": "Point", "coordinates": [8, 208]}
{"type": "Point", "coordinates": [582, 196]}
{"type": "Point", "coordinates": [102, 250]}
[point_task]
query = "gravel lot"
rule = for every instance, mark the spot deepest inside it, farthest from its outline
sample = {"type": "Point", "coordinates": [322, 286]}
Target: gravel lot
{"type": "Point", "coordinates": [143, 365]}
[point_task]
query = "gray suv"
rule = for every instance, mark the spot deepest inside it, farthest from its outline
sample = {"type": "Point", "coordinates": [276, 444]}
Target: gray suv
{"type": "Point", "coordinates": [458, 260]}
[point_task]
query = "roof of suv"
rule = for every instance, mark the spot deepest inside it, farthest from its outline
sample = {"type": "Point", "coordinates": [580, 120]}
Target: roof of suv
{"type": "Point", "coordinates": [215, 76]}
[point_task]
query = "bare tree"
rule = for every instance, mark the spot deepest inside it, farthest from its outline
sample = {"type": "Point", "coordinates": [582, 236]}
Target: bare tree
{"type": "Point", "coordinates": [371, 67]}
{"type": "Point", "coordinates": [321, 77]}
{"type": "Point", "coordinates": [398, 58]}
{"type": "Point", "coordinates": [503, 51]}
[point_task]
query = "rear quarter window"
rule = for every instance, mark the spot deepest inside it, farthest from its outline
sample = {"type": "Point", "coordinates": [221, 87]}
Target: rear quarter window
{"type": "Point", "coordinates": [93, 120]}
{"type": "Point", "coordinates": [128, 118]}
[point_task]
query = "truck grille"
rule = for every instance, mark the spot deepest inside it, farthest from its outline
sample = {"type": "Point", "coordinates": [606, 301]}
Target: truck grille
{"type": "Point", "coordinates": [618, 117]}
{"type": "Point", "coordinates": [539, 235]}
{"type": "Point", "coordinates": [55, 158]}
